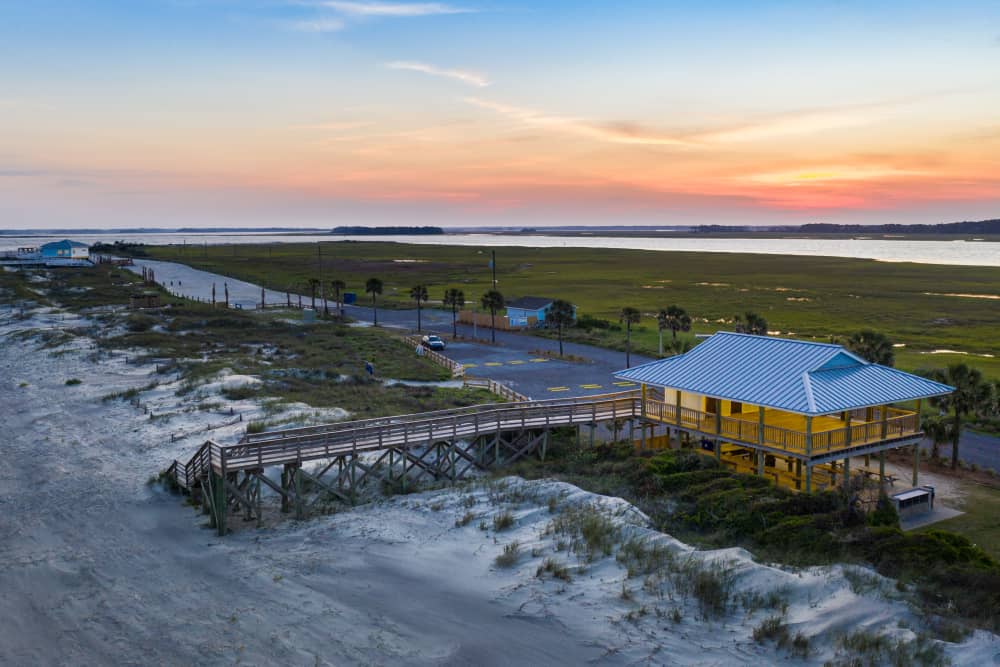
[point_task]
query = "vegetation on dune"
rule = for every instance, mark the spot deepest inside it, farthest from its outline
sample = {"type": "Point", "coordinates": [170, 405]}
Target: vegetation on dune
{"type": "Point", "coordinates": [690, 496]}
{"type": "Point", "coordinates": [320, 364]}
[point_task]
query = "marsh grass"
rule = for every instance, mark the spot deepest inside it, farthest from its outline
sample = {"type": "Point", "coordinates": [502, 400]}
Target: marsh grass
{"type": "Point", "coordinates": [844, 295]}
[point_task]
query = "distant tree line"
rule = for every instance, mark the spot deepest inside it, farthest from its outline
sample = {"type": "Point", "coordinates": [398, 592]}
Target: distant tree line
{"type": "Point", "coordinates": [968, 227]}
{"type": "Point", "coordinates": [387, 231]}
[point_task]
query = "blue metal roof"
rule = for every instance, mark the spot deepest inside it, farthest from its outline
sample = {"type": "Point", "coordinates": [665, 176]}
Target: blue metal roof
{"type": "Point", "coordinates": [793, 375]}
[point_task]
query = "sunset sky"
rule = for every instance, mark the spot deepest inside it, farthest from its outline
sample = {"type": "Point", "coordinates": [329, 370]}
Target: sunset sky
{"type": "Point", "coordinates": [316, 113]}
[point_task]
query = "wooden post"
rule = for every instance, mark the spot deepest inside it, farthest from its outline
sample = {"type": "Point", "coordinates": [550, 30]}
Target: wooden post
{"type": "Point", "coordinates": [760, 462]}
{"type": "Point", "coordinates": [219, 501]}
{"type": "Point", "coordinates": [286, 485]}
{"type": "Point", "coordinates": [881, 467]}
{"type": "Point", "coordinates": [916, 463]}
{"type": "Point", "coordinates": [677, 416]}
{"type": "Point", "coordinates": [760, 427]}
{"type": "Point", "coordinates": [299, 506]}
{"type": "Point", "coordinates": [847, 471]}
{"type": "Point", "coordinates": [809, 448]}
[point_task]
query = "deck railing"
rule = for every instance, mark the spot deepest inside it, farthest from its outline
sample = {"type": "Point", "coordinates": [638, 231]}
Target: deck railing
{"type": "Point", "coordinates": [897, 423]}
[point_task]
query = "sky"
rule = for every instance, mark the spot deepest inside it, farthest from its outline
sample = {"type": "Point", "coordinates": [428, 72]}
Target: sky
{"type": "Point", "coordinates": [188, 113]}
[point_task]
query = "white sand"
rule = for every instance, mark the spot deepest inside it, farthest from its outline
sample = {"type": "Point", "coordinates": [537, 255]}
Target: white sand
{"type": "Point", "coordinates": [98, 568]}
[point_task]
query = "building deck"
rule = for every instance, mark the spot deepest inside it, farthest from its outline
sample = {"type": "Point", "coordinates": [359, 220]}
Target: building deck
{"type": "Point", "coordinates": [789, 432]}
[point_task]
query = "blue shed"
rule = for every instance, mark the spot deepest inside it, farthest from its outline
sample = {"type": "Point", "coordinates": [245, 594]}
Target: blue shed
{"type": "Point", "coordinates": [520, 310]}
{"type": "Point", "coordinates": [65, 249]}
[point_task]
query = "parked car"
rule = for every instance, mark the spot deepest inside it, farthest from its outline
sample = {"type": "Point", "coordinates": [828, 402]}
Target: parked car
{"type": "Point", "coordinates": [433, 342]}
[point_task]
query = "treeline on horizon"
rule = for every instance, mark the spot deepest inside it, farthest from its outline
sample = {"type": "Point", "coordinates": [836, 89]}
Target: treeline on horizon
{"type": "Point", "coordinates": [967, 227]}
{"type": "Point", "coordinates": [386, 231]}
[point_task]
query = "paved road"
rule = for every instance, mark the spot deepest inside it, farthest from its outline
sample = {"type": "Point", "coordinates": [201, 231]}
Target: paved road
{"type": "Point", "coordinates": [514, 360]}
{"type": "Point", "coordinates": [517, 360]}
{"type": "Point", "coordinates": [978, 448]}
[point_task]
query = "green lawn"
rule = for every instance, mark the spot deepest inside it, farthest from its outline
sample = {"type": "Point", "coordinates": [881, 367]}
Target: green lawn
{"type": "Point", "coordinates": [809, 297]}
{"type": "Point", "coordinates": [981, 521]}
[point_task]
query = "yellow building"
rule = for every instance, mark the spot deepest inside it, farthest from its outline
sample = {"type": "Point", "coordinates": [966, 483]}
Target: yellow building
{"type": "Point", "coordinates": [792, 410]}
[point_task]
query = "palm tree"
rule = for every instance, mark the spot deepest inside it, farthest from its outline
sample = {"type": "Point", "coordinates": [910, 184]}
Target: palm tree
{"type": "Point", "coordinates": [674, 318]}
{"type": "Point", "coordinates": [418, 293]}
{"type": "Point", "coordinates": [969, 393]}
{"type": "Point", "coordinates": [493, 301]}
{"type": "Point", "coordinates": [872, 346]}
{"type": "Point", "coordinates": [374, 287]}
{"type": "Point", "coordinates": [455, 299]}
{"type": "Point", "coordinates": [338, 286]}
{"type": "Point", "coordinates": [629, 316]}
{"type": "Point", "coordinates": [313, 284]}
{"type": "Point", "coordinates": [939, 430]}
{"type": "Point", "coordinates": [560, 315]}
{"type": "Point", "coordinates": [751, 323]}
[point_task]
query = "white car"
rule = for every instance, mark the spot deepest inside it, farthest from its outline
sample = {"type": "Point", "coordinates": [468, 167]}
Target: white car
{"type": "Point", "coordinates": [432, 342]}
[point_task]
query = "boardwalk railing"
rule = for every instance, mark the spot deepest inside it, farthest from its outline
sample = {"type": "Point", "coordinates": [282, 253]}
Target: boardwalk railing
{"type": "Point", "coordinates": [457, 370]}
{"type": "Point", "coordinates": [498, 388]}
{"type": "Point", "coordinates": [293, 446]}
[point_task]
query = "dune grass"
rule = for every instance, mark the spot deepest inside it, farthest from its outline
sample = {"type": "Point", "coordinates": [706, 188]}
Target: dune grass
{"type": "Point", "coordinates": [810, 297]}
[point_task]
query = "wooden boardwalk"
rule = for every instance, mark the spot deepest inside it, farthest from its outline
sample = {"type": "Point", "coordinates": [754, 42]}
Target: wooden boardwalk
{"type": "Point", "coordinates": [395, 450]}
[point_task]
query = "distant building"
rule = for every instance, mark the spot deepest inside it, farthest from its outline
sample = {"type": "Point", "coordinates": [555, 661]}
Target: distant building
{"type": "Point", "coordinates": [65, 249]}
{"type": "Point", "coordinates": [528, 310]}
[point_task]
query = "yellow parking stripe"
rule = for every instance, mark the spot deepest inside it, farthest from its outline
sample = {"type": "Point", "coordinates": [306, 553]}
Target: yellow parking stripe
{"type": "Point", "coordinates": [590, 386]}
{"type": "Point", "coordinates": [558, 388]}
{"type": "Point", "coordinates": [516, 362]}
{"type": "Point", "coordinates": [538, 360]}
{"type": "Point", "coordinates": [624, 384]}
{"type": "Point", "coordinates": [469, 365]}
{"type": "Point", "coordinates": [492, 363]}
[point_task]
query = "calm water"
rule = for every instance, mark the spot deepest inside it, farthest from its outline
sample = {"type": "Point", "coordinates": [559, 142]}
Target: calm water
{"type": "Point", "coordinates": [969, 253]}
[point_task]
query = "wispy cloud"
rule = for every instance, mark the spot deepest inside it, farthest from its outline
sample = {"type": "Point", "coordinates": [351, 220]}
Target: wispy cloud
{"type": "Point", "coordinates": [392, 9]}
{"type": "Point", "coordinates": [316, 25]}
{"type": "Point", "coordinates": [834, 173]}
{"type": "Point", "coordinates": [618, 133]}
{"type": "Point", "coordinates": [803, 122]}
{"type": "Point", "coordinates": [334, 125]}
{"type": "Point", "coordinates": [465, 76]}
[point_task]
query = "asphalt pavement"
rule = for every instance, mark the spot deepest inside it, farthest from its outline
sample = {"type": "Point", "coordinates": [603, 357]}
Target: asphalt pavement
{"type": "Point", "coordinates": [521, 361]}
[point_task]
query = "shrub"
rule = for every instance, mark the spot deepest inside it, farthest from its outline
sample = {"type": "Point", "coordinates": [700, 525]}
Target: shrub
{"type": "Point", "coordinates": [771, 628]}
{"type": "Point", "coordinates": [72, 382]}
{"type": "Point", "coordinates": [510, 555]}
{"type": "Point", "coordinates": [503, 521]}
{"type": "Point", "coordinates": [465, 520]}
{"type": "Point", "coordinates": [256, 427]}
{"type": "Point", "coordinates": [551, 566]}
